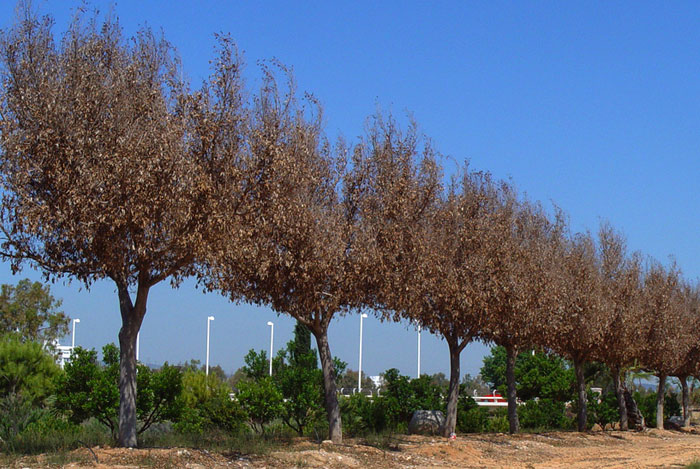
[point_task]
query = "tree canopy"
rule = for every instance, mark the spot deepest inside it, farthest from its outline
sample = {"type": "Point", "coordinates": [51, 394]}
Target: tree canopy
{"type": "Point", "coordinates": [29, 310]}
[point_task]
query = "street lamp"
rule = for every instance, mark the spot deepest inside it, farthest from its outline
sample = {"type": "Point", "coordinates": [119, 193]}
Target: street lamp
{"type": "Point", "coordinates": [419, 328]}
{"type": "Point", "coordinates": [72, 344]}
{"type": "Point", "coordinates": [359, 367]}
{"type": "Point", "coordinates": [272, 335]}
{"type": "Point", "coordinates": [138, 342]}
{"type": "Point", "coordinates": [209, 320]}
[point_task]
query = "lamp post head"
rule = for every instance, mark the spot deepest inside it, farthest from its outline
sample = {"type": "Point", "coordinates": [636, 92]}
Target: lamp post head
{"type": "Point", "coordinates": [364, 315]}
{"type": "Point", "coordinates": [270, 323]}
{"type": "Point", "coordinates": [76, 320]}
{"type": "Point", "coordinates": [210, 318]}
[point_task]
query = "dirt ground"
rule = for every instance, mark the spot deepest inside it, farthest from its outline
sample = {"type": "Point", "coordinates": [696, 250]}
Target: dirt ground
{"type": "Point", "coordinates": [609, 449]}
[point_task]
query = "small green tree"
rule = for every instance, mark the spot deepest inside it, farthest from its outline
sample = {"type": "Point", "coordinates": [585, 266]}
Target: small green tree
{"type": "Point", "coordinates": [541, 375]}
{"type": "Point", "coordinates": [300, 381]}
{"type": "Point", "coordinates": [26, 369]}
{"type": "Point", "coordinates": [256, 365]}
{"type": "Point", "coordinates": [262, 401]}
{"type": "Point", "coordinates": [29, 310]}
{"type": "Point", "coordinates": [297, 379]}
{"type": "Point", "coordinates": [87, 389]}
{"type": "Point", "coordinates": [401, 396]}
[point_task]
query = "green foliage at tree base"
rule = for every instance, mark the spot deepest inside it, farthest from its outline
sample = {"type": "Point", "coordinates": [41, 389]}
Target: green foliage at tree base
{"type": "Point", "coordinates": [262, 401]}
{"type": "Point", "coordinates": [604, 412]}
{"type": "Point", "coordinates": [208, 406]}
{"type": "Point", "coordinates": [647, 406]}
{"type": "Point", "coordinates": [88, 389]}
{"type": "Point", "coordinates": [543, 414]}
{"type": "Point", "coordinates": [362, 415]}
{"type": "Point", "coordinates": [471, 418]}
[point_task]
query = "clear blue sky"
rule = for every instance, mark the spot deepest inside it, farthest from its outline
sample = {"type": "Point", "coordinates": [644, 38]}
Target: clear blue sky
{"type": "Point", "coordinates": [594, 107]}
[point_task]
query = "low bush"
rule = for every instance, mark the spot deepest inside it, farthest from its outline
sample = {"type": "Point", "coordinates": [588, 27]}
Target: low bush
{"type": "Point", "coordinates": [497, 422]}
{"type": "Point", "coordinates": [471, 418]}
{"type": "Point", "coordinates": [208, 406]}
{"type": "Point", "coordinates": [543, 414]}
{"type": "Point", "coordinates": [362, 416]}
{"type": "Point", "coordinates": [604, 412]}
{"type": "Point", "coordinates": [54, 433]}
{"type": "Point", "coordinates": [647, 406]}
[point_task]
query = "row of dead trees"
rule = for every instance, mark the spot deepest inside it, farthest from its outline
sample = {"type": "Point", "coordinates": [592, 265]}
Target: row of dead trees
{"type": "Point", "coordinates": [113, 167]}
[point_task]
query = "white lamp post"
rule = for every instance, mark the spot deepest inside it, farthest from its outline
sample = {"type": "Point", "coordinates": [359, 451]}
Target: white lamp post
{"type": "Point", "coordinates": [419, 328]}
{"type": "Point", "coordinates": [72, 342]}
{"type": "Point", "coordinates": [209, 320]}
{"type": "Point", "coordinates": [138, 341]}
{"type": "Point", "coordinates": [272, 336]}
{"type": "Point", "coordinates": [359, 367]}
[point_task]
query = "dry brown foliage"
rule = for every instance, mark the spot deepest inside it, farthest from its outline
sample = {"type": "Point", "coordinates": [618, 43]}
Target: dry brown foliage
{"type": "Point", "coordinates": [622, 287]}
{"type": "Point", "coordinates": [111, 167]}
{"type": "Point", "coordinates": [665, 319]}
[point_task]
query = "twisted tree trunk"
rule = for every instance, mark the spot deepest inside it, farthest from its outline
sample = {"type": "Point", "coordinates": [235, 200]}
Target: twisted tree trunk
{"type": "Point", "coordinates": [329, 386]}
{"type": "Point", "coordinates": [620, 394]}
{"type": "Point", "coordinates": [513, 423]}
{"type": "Point", "coordinates": [635, 417]}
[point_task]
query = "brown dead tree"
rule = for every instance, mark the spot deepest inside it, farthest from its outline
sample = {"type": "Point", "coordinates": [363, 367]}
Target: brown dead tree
{"type": "Point", "coordinates": [622, 276]}
{"type": "Point", "coordinates": [577, 326]}
{"type": "Point", "coordinates": [111, 168]}
{"type": "Point", "coordinates": [666, 343]}
{"type": "Point", "coordinates": [689, 365]}
{"type": "Point", "coordinates": [518, 285]}
{"type": "Point", "coordinates": [439, 282]}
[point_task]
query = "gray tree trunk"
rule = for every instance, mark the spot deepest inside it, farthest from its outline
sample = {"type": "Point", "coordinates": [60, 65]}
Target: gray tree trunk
{"type": "Point", "coordinates": [514, 424]}
{"type": "Point", "coordinates": [620, 394]}
{"type": "Point", "coordinates": [686, 400]}
{"type": "Point", "coordinates": [660, 402]}
{"type": "Point", "coordinates": [582, 397]}
{"type": "Point", "coordinates": [329, 387]}
{"type": "Point", "coordinates": [132, 316]}
{"type": "Point", "coordinates": [453, 392]}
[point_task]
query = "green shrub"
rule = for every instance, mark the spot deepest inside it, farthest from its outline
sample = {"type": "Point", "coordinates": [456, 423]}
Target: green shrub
{"type": "Point", "coordinates": [647, 406]}
{"type": "Point", "coordinates": [362, 415]}
{"type": "Point", "coordinates": [543, 414]}
{"type": "Point", "coordinates": [88, 389]}
{"type": "Point", "coordinates": [543, 376]}
{"type": "Point", "coordinates": [208, 405]}
{"type": "Point", "coordinates": [604, 412]}
{"type": "Point", "coordinates": [261, 401]}
{"type": "Point", "coordinates": [26, 369]}
{"type": "Point", "coordinates": [471, 418]}
{"type": "Point", "coordinates": [402, 396]}
{"type": "Point", "coordinates": [16, 414]}
{"type": "Point", "coordinates": [498, 422]}
{"type": "Point", "coordinates": [54, 433]}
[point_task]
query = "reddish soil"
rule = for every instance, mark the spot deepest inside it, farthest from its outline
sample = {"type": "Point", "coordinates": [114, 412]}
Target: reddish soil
{"type": "Point", "coordinates": [609, 449]}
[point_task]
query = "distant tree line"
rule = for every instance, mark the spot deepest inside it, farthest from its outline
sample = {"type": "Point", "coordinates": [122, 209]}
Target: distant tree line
{"type": "Point", "coordinates": [113, 167]}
